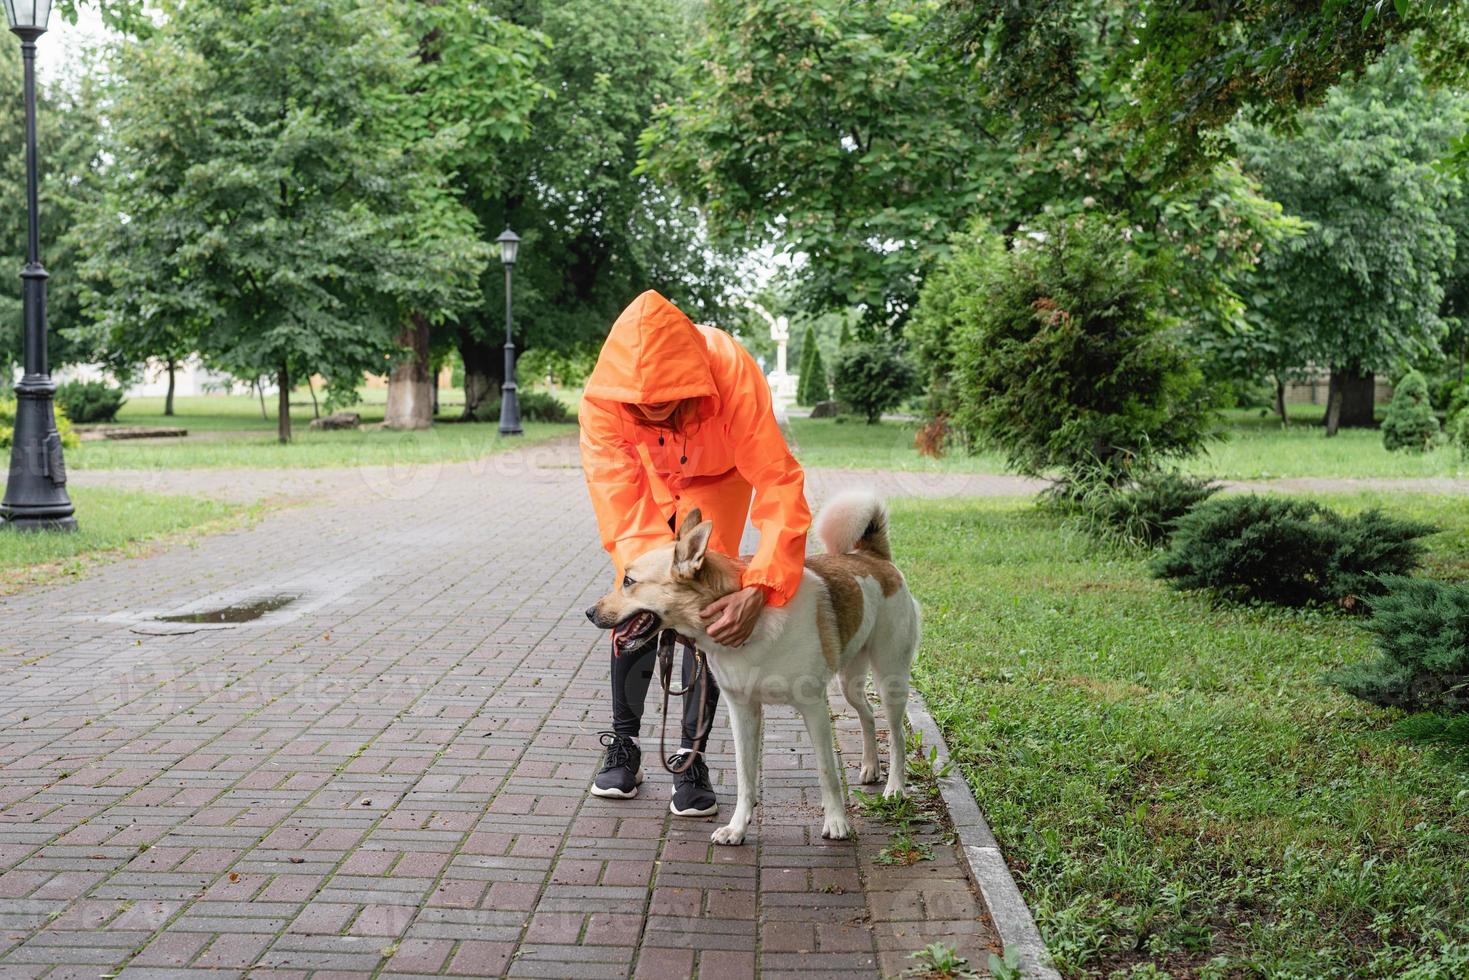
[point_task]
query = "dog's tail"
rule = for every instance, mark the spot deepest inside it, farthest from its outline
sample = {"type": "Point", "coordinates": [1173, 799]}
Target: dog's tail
{"type": "Point", "coordinates": [854, 519]}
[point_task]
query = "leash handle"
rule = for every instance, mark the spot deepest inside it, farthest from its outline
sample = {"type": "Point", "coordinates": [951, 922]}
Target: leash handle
{"type": "Point", "coordinates": [702, 725]}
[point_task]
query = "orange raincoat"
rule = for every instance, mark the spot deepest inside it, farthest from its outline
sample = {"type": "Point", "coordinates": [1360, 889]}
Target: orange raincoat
{"type": "Point", "coordinates": [714, 453]}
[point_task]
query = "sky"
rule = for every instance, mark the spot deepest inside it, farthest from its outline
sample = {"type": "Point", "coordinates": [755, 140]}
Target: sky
{"type": "Point", "coordinates": [57, 49]}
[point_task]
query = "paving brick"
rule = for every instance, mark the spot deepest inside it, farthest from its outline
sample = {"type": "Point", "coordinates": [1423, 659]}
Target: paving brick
{"type": "Point", "coordinates": [400, 760]}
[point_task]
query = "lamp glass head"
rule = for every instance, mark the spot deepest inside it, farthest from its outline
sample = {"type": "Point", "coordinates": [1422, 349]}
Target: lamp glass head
{"type": "Point", "coordinates": [509, 243]}
{"type": "Point", "coordinates": [29, 15]}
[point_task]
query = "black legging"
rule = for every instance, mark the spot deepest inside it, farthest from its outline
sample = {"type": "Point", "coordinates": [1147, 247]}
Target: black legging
{"type": "Point", "coordinates": [631, 676]}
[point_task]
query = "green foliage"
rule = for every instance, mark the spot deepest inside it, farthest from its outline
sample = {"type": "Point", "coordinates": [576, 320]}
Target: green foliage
{"type": "Point", "coordinates": [535, 406]}
{"type": "Point", "coordinates": [1410, 423]}
{"type": "Point", "coordinates": [1362, 288]}
{"type": "Point", "coordinates": [1185, 70]}
{"type": "Point", "coordinates": [1422, 631]}
{"type": "Point", "coordinates": [90, 401]}
{"type": "Point", "coordinates": [1459, 433]}
{"type": "Point", "coordinates": [812, 386]}
{"type": "Point", "coordinates": [1143, 511]}
{"type": "Point", "coordinates": [1059, 353]}
{"type": "Point", "coordinates": [69, 438]}
{"type": "Point", "coordinates": [873, 377]}
{"type": "Point", "coordinates": [277, 196]}
{"type": "Point", "coordinates": [1288, 551]}
{"type": "Point", "coordinates": [828, 129]}
{"type": "Point", "coordinates": [939, 961]}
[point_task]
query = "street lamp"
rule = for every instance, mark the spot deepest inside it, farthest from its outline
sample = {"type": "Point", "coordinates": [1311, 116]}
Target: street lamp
{"type": "Point", "coordinates": [35, 493]}
{"type": "Point", "coordinates": [509, 400]}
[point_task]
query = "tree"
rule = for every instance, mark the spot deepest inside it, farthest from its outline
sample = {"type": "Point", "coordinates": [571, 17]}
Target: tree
{"type": "Point", "coordinates": [272, 185]}
{"type": "Point", "coordinates": [1410, 423]}
{"type": "Point", "coordinates": [595, 234]}
{"type": "Point", "coordinates": [1190, 67]}
{"type": "Point", "coordinates": [1060, 352]}
{"type": "Point", "coordinates": [827, 129]}
{"type": "Point", "coordinates": [477, 76]}
{"type": "Point", "coordinates": [1362, 288]}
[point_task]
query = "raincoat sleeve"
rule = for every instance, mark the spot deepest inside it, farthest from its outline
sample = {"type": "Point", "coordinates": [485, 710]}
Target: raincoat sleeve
{"type": "Point", "coordinates": [780, 512]}
{"type": "Point", "coordinates": [628, 518]}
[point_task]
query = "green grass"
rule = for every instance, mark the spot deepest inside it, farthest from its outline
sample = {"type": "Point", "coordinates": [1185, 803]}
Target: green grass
{"type": "Point", "coordinates": [1172, 782]}
{"type": "Point", "coordinates": [229, 432]}
{"type": "Point", "coordinates": [114, 523]}
{"type": "Point", "coordinates": [1257, 446]}
{"type": "Point", "coordinates": [853, 444]}
{"type": "Point", "coordinates": [1250, 447]}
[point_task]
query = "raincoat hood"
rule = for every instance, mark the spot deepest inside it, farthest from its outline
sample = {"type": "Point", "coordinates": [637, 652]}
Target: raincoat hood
{"type": "Point", "coordinates": [653, 353]}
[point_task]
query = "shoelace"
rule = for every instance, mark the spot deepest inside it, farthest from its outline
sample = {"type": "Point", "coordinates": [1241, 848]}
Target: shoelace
{"type": "Point", "coordinates": [619, 750]}
{"type": "Point", "coordinates": [698, 772]}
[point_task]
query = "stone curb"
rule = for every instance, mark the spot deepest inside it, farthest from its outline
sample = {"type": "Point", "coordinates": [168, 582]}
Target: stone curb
{"type": "Point", "coordinates": [982, 857]}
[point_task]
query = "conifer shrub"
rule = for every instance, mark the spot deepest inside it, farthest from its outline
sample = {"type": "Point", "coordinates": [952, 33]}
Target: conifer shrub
{"type": "Point", "coordinates": [1145, 510]}
{"type": "Point", "coordinates": [1422, 631]}
{"type": "Point", "coordinates": [90, 401]}
{"type": "Point", "coordinates": [1410, 424]}
{"type": "Point", "coordinates": [873, 377]}
{"type": "Point", "coordinates": [1288, 551]}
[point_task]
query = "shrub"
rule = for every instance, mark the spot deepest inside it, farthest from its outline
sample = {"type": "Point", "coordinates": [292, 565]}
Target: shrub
{"type": "Point", "coordinates": [535, 406]}
{"type": "Point", "coordinates": [1060, 352]}
{"type": "Point", "coordinates": [814, 380]}
{"type": "Point", "coordinates": [1288, 551]}
{"type": "Point", "coordinates": [69, 437]}
{"type": "Point", "coordinates": [1410, 423]}
{"type": "Point", "coordinates": [873, 377]}
{"type": "Point", "coordinates": [1422, 631]}
{"type": "Point", "coordinates": [1144, 511]}
{"type": "Point", "coordinates": [90, 401]}
{"type": "Point", "coordinates": [1459, 433]}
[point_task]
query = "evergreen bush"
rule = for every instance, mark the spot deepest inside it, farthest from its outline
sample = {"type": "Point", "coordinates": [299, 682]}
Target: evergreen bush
{"type": "Point", "coordinates": [1061, 352]}
{"type": "Point", "coordinates": [1410, 423]}
{"type": "Point", "coordinates": [1459, 433]}
{"type": "Point", "coordinates": [1144, 511]}
{"type": "Point", "coordinates": [1288, 551]}
{"type": "Point", "coordinates": [1422, 631]}
{"type": "Point", "coordinates": [873, 377]}
{"type": "Point", "coordinates": [90, 401]}
{"type": "Point", "coordinates": [817, 387]}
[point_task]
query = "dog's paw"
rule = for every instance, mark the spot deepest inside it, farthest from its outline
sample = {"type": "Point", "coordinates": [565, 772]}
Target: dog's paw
{"type": "Point", "coordinates": [836, 827]}
{"type": "Point", "coordinates": [728, 834]}
{"type": "Point", "coordinates": [894, 792]}
{"type": "Point", "coordinates": [868, 774]}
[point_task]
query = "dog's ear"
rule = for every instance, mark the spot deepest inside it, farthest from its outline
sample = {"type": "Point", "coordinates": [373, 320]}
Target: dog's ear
{"type": "Point", "coordinates": [691, 520]}
{"type": "Point", "coordinates": [691, 546]}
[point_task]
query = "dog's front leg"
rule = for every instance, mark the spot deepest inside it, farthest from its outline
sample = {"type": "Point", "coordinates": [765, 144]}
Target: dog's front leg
{"type": "Point", "coordinates": [817, 716]}
{"type": "Point", "coordinates": [747, 722]}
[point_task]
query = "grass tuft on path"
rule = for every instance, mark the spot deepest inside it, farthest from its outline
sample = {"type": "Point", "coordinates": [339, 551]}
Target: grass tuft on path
{"type": "Point", "coordinates": [1172, 782]}
{"type": "Point", "coordinates": [114, 524]}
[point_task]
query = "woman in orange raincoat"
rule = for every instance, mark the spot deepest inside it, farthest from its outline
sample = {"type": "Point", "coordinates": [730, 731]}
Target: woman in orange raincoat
{"type": "Point", "coordinates": [677, 416]}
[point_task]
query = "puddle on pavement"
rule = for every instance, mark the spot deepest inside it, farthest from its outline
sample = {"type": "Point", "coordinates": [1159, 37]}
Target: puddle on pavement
{"type": "Point", "coordinates": [242, 612]}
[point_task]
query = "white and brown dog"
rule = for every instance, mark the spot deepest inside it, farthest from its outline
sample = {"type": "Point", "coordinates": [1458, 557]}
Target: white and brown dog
{"type": "Point", "coordinates": [852, 613]}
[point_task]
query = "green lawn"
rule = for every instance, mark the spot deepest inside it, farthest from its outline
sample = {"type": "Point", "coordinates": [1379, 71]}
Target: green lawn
{"type": "Point", "coordinates": [1251, 446]}
{"type": "Point", "coordinates": [114, 523]}
{"type": "Point", "coordinates": [229, 432]}
{"type": "Point", "coordinates": [1172, 783]}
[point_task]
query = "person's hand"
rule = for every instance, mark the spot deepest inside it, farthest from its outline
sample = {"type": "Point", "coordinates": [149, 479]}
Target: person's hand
{"type": "Point", "coordinates": [730, 620]}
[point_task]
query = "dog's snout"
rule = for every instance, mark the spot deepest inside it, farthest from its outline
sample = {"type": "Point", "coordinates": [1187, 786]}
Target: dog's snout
{"type": "Point", "coordinates": [592, 613]}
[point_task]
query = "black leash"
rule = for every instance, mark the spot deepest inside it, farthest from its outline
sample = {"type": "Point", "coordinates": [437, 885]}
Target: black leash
{"type": "Point", "coordinates": [666, 640]}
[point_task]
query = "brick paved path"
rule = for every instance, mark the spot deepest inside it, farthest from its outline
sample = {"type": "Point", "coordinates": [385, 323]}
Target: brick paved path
{"type": "Point", "coordinates": [387, 776]}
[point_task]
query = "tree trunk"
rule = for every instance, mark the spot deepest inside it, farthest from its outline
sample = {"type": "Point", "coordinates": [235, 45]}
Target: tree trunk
{"type": "Point", "coordinates": [168, 398]}
{"type": "Point", "coordinates": [315, 408]}
{"type": "Point", "coordinates": [484, 369]}
{"type": "Point", "coordinates": [283, 403]}
{"type": "Point", "coordinates": [1280, 400]}
{"type": "Point", "coordinates": [433, 386]}
{"type": "Point", "coordinates": [260, 390]}
{"type": "Point", "coordinates": [410, 404]}
{"type": "Point", "coordinates": [1349, 399]}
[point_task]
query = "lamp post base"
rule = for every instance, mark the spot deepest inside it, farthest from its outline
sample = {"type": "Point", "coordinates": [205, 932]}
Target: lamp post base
{"type": "Point", "coordinates": [35, 525]}
{"type": "Point", "coordinates": [510, 410]}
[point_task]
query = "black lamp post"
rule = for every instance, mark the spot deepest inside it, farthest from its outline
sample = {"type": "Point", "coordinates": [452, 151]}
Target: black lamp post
{"type": "Point", "coordinates": [35, 493]}
{"type": "Point", "coordinates": [509, 400]}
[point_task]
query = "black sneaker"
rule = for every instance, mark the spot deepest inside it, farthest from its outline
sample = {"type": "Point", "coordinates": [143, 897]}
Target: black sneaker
{"type": "Point", "coordinates": [692, 794]}
{"type": "Point", "coordinates": [622, 768]}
